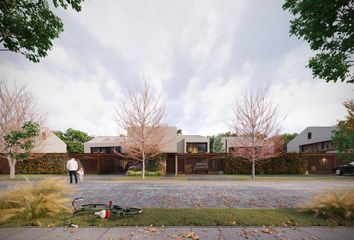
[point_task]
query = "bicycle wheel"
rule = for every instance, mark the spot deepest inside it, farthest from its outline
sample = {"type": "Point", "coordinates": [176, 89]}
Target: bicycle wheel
{"type": "Point", "coordinates": [126, 211]}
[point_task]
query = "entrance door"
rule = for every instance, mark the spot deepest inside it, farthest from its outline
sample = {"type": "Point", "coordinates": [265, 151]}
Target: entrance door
{"type": "Point", "coordinates": [170, 164]}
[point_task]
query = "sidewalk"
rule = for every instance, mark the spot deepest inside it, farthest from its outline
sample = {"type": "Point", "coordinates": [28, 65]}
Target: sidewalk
{"type": "Point", "coordinates": [177, 233]}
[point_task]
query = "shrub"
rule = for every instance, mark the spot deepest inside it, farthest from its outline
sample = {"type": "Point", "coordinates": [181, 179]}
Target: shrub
{"type": "Point", "coordinates": [290, 163]}
{"type": "Point", "coordinates": [156, 164]}
{"type": "Point", "coordinates": [35, 201]}
{"type": "Point", "coordinates": [132, 173]}
{"type": "Point", "coordinates": [332, 204]}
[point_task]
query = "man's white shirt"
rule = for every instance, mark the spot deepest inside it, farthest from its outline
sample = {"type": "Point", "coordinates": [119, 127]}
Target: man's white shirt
{"type": "Point", "coordinates": [72, 165]}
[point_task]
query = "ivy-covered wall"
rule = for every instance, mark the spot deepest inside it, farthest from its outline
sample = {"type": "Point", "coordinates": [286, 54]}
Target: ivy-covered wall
{"type": "Point", "coordinates": [290, 163]}
{"type": "Point", "coordinates": [50, 163]}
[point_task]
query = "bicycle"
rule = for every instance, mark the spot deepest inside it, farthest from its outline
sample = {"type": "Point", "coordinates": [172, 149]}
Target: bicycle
{"type": "Point", "coordinates": [108, 210]}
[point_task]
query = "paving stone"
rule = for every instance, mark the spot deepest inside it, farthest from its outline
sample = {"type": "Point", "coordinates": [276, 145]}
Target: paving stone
{"type": "Point", "coordinates": [328, 233]}
{"type": "Point", "coordinates": [60, 233]}
{"type": "Point", "coordinates": [148, 233]}
{"type": "Point", "coordinates": [30, 233]}
{"type": "Point", "coordinates": [207, 233]}
{"type": "Point", "coordinates": [119, 233]}
{"type": "Point", "coordinates": [175, 233]}
{"type": "Point", "coordinates": [89, 234]}
{"type": "Point", "coordinates": [6, 232]}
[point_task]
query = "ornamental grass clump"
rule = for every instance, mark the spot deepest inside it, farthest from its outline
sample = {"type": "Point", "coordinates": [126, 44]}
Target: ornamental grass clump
{"type": "Point", "coordinates": [31, 202]}
{"type": "Point", "coordinates": [333, 204]}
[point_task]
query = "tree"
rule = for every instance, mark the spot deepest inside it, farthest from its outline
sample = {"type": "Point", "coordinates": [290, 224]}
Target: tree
{"type": "Point", "coordinates": [327, 25]}
{"type": "Point", "coordinates": [29, 26]}
{"type": "Point", "coordinates": [17, 107]}
{"type": "Point", "coordinates": [286, 138]}
{"type": "Point", "coordinates": [141, 117]}
{"type": "Point", "coordinates": [19, 143]}
{"type": "Point", "coordinates": [74, 139]}
{"type": "Point", "coordinates": [217, 144]}
{"type": "Point", "coordinates": [255, 122]}
{"type": "Point", "coordinates": [343, 137]}
{"type": "Point", "coordinates": [179, 131]}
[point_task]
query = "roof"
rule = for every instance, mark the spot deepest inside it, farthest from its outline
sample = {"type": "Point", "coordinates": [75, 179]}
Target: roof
{"type": "Point", "coordinates": [106, 139]}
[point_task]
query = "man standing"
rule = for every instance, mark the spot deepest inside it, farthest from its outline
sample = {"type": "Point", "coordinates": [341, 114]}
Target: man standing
{"type": "Point", "coordinates": [72, 166]}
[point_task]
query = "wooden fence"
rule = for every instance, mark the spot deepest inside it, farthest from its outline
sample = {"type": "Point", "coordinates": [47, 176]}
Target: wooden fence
{"type": "Point", "coordinates": [97, 163]}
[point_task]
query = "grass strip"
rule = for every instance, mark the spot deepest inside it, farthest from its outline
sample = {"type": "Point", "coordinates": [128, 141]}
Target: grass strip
{"type": "Point", "coordinates": [197, 217]}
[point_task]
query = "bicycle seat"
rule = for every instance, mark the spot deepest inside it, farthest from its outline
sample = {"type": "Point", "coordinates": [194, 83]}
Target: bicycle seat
{"type": "Point", "coordinates": [78, 199]}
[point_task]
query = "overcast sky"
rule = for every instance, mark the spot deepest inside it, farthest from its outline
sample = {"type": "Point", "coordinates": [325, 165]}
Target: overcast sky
{"type": "Point", "coordinates": [199, 56]}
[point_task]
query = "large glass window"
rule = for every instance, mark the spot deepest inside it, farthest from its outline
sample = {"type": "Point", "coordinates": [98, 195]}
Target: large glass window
{"type": "Point", "coordinates": [197, 147]}
{"type": "Point", "coordinates": [106, 149]}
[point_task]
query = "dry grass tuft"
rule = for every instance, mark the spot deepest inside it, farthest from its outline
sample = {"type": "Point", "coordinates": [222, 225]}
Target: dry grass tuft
{"type": "Point", "coordinates": [32, 202]}
{"type": "Point", "coordinates": [333, 204]}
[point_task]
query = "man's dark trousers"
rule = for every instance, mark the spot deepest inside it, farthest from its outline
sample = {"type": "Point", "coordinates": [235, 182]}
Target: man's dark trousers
{"type": "Point", "coordinates": [71, 173]}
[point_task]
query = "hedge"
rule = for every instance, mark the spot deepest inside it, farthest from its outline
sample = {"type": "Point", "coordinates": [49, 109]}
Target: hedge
{"type": "Point", "coordinates": [290, 163]}
{"type": "Point", "coordinates": [51, 163]}
{"type": "Point", "coordinates": [139, 173]}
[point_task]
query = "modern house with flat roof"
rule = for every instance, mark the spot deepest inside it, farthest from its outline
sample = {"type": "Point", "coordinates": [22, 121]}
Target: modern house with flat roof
{"type": "Point", "coordinates": [313, 140]}
{"type": "Point", "coordinates": [192, 144]}
{"type": "Point", "coordinates": [111, 144]}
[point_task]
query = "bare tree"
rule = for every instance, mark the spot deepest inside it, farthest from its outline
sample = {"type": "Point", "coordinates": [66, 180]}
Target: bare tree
{"type": "Point", "coordinates": [255, 122]}
{"type": "Point", "coordinates": [141, 117]}
{"type": "Point", "coordinates": [17, 106]}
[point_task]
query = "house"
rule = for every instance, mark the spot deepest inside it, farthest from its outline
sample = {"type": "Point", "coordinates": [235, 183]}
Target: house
{"type": "Point", "coordinates": [313, 140]}
{"type": "Point", "coordinates": [110, 144]}
{"type": "Point", "coordinates": [192, 144]}
{"type": "Point", "coordinates": [49, 143]}
{"type": "Point", "coordinates": [230, 144]}
{"type": "Point", "coordinates": [104, 144]}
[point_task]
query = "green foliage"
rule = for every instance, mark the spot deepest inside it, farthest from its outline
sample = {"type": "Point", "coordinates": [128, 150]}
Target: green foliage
{"type": "Point", "coordinates": [132, 173]}
{"type": "Point", "coordinates": [29, 26]}
{"type": "Point", "coordinates": [215, 142]}
{"type": "Point", "coordinates": [343, 137]}
{"type": "Point", "coordinates": [217, 145]}
{"type": "Point", "coordinates": [327, 25]}
{"type": "Point", "coordinates": [19, 143]}
{"type": "Point", "coordinates": [74, 139]}
{"type": "Point", "coordinates": [289, 163]}
{"type": "Point", "coordinates": [50, 163]}
{"type": "Point", "coordinates": [286, 138]}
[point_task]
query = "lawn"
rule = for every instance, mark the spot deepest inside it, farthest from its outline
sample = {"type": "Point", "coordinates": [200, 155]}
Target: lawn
{"type": "Point", "coordinates": [195, 217]}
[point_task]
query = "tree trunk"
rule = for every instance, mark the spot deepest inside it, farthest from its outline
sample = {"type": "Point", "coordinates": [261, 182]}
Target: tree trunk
{"type": "Point", "coordinates": [12, 164]}
{"type": "Point", "coordinates": [143, 174]}
{"type": "Point", "coordinates": [253, 169]}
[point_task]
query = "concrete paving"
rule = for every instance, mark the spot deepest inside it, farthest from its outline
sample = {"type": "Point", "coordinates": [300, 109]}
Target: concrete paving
{"type": "Point", "coordinates": [178, 233]}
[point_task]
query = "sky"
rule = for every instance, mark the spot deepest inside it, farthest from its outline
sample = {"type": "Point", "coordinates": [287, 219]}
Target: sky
{"type": "Point", "coordinates": [199, 56]}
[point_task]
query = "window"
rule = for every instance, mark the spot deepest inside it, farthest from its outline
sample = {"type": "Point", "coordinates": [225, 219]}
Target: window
{"type": "Point", "coordinates": [325, 145]}
{"type": "Point", "coordinates": [106, 149]}
{"type": "Point", "coordinates": [44, 136]}
{"type": "Point", "coordinates": [197, 147]}
{"type": "Point", "coordinates": [309, 135]}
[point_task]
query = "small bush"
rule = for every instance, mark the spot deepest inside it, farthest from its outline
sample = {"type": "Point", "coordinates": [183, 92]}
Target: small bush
{"type": "Point", "coordinates": [332, 204]}
{"type": "Point", "coordinates": [35, 201]}
{"type": "Point", "coordinates": [132, 173]}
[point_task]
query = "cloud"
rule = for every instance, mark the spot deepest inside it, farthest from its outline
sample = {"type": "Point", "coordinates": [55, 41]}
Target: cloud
{"type": "Point", "coordinates": [199, 56]}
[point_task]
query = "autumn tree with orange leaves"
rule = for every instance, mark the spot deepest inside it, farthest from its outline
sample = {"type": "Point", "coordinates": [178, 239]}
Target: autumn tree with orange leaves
{"type": "Point", "coordinates": [140, 116]}
{"type": "Point", "coordinates": [19, 119]}
{"type": "Point", "coordinates": [255, 123]}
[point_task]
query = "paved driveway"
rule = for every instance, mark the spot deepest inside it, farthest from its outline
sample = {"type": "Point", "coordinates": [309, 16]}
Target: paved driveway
{"type": "Point", "coordinates": [214, 194]}
{"type": "Point", "coordinates": [198, 194]}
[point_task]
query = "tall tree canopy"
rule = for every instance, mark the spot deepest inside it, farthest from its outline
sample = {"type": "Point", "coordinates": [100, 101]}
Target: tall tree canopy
{"type": "Point", "coordinates": [344, 136]}
{"type": "Point", "coordinates": [74, 139]}
{"type": "Point", "coordinates": [29, 26]}
{"type": "Point", "coordinates": [328, 26]}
